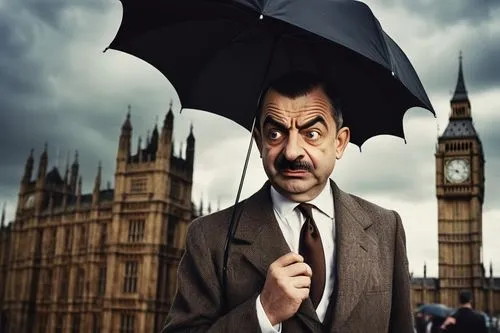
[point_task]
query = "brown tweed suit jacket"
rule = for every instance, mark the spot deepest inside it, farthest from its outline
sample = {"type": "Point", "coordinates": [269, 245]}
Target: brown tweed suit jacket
{"type": "Point", "coordinates": [372, 286]}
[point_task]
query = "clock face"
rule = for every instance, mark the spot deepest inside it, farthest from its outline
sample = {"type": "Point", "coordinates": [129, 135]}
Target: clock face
{"type": "Point", "coordinates": [30, 201]}
{"type": "Point", "coordinates": [457, 171]}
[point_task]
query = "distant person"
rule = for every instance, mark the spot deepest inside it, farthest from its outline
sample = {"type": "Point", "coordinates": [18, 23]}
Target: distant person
{"type": "Point", "coordinates": [420, 321]}
{"type": "Point", "coordinates": [436, 324]}
{"type": "Point", "coordinates": [465, 319]}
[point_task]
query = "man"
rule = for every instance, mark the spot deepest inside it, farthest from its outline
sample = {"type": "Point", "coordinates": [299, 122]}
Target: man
{"type": "Point", "coordinates": [465, 319]}
{"type": "Point", "coordinates": [420, 320]}
{"type": "Point", "coordinates": [337, 265]}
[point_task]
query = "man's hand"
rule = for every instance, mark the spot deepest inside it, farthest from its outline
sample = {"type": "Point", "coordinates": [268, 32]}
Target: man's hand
{"type": "Point", "coordinates": [287, 285]}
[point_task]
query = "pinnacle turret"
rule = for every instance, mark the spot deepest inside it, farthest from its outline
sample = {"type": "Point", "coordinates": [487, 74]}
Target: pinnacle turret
{"type": "Point", "coordinates": [97, 185]}
{"type": "Point", "coordinates": [2, 219]}
{"type": "Point", "coordinates": [74, 172]}
{"type": "Point", "coordinates": [127, 125]}
{"type": "Point", "coordinates": [460, 94]}
{"type": "Point", "coordinates": [42, 167]}
{"type": "Point", "coordinates": [28, 169]}
{"type": "Point", "coordinates": [190, 147]}
{"type": "Point", "coordinates": [125, 137]}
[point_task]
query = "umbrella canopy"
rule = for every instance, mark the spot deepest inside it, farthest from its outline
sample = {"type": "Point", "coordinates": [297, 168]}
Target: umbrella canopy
{"type": "Point", "coordinates": [221, 55]}
{"type": "Point", "coordinates": [435, 309]}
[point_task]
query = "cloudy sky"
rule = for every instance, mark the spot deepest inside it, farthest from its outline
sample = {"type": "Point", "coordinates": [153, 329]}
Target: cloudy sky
{"type": "Point", "coordinates": [57, 86]}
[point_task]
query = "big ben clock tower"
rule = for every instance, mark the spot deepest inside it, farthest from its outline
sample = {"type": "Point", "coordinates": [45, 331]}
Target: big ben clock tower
{"type": "Point", "coordinates": [460, 195]}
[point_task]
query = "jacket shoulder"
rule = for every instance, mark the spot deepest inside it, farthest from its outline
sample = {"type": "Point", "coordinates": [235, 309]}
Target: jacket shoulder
{"type": "Point", "coordinates": [374, 210]}
{"type": "Point", "coordinates": [214, 225]}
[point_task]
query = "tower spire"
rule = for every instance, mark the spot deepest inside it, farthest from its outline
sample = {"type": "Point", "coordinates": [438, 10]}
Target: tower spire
{"type": "Point", "coordinates": [127, 126]}
{"type": "Point", "coordinates": [42, 167]}
{"type": "Point", "coordinates": [125, 136]}
{"type": "Point", "coordinates": [66, 172]}
{"type": "Point", "coordinates": [2, 220]}
{"type": "Point", "coordinates": [460, 94]}
{"type": "Point", "coordinates": [74, 173]}
{"type": "Point", "coordinates": [97, 185]}
{"type": "Point", "coordinates": [190, 148]}
{"type": "Point", "coordinates": [200, 212]}
{"type": "Point", "coordinates": [79, 192]}
{"type": "Point", "coordinates": [28, 169]}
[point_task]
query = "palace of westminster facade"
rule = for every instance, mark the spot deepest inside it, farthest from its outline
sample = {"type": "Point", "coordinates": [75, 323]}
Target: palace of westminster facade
{"type": "Point", "coordinates": [106, 261]}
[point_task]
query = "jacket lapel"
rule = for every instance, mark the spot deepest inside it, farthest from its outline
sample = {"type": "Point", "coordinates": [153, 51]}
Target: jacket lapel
{"type": "Point", "coordinates": [262, 242]}
{"type": "Point", "coordinates": [353, 250]}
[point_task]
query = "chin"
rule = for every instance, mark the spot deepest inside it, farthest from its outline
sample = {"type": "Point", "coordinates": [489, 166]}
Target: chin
{"type": "Point", "coordinates": [294, 186]}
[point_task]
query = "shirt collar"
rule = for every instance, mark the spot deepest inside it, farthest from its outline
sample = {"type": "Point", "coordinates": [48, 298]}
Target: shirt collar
{"type": "Point", "coordinates": [323, 202]}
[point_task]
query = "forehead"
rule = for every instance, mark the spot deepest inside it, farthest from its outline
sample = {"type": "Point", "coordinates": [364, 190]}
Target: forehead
{"type": "Point", "coordinates": [312, 104]}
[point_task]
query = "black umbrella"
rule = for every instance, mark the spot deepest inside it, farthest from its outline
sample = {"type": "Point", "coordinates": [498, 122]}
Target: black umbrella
{"type": "Point", "coordinates": [220, 55]}
{"type": "Point", "coordinates": [436, 309]}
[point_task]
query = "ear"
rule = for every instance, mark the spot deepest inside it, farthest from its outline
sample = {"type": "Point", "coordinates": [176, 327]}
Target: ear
{"type": "Point", "coordinates": [343, 137]}
{"type": "Point", "coordinates": [258, 140]}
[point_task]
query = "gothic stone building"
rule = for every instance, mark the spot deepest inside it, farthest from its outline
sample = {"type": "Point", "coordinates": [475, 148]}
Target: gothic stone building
{"type": "Point", "coordinates": [460, 184]}
{"type": "Point", "coordinates": [104, 261]}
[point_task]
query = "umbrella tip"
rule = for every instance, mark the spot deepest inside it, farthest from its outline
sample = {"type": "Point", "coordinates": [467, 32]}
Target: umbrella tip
{"type": "Point", "coordinates": [104, 51]}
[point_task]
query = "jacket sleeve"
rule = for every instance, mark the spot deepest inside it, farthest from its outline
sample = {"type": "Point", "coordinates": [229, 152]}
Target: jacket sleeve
{"type": "Point", "coordinates": [197, 305]}
{"type": "Point", "coordinates": [401, 320]}
{"type": "Point", "coordinates": [482, 324]}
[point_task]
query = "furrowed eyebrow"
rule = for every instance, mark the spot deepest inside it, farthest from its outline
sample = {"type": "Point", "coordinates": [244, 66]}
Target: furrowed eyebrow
{"type": "Point", "coordinates": [313, 121]}
{"type": "Point", "coordinates": [273, 122]}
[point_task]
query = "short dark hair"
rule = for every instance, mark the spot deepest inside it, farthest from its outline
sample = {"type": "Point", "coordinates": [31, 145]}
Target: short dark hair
{"type": "Point", "coordinates": [296, 84]}
{"type": "Point", "coordinates": [465, 297]}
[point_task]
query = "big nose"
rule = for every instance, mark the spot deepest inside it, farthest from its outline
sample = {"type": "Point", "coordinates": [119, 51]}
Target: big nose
{"type": "Point", "coordinates": [293, 149]}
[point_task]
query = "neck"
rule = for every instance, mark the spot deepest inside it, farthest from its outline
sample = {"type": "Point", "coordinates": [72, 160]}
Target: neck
{"type": "Point", "coordinates": [466, 305]}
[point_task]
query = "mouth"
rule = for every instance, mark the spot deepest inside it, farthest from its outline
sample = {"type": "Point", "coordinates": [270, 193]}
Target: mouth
{"type": "Point", "coordinates": [294, 173]}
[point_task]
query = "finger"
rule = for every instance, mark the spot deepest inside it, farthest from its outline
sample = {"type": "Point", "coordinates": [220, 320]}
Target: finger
{"type": "Point", "coordinates": [302, 293]}
{"type": "Point", "coordinates": [301, 282]}
{"type": "Point", "coordinates": [296, 269]}
{"type": "Point", "coordinates": [288, 259]}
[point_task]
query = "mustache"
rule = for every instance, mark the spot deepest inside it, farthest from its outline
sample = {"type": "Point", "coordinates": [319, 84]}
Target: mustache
{"type": "Point", "coordinates": [283, 164]}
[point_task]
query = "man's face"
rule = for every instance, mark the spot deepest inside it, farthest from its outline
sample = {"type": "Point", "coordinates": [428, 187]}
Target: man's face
{"type": "Point", "coordinates": [299, 143]}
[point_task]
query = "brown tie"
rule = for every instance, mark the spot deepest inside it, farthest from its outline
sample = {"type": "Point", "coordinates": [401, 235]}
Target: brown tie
{"type": "Point", "coordinates": [311, 248]}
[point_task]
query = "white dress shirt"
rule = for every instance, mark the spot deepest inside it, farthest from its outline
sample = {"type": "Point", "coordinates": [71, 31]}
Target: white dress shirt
{"type": "Point", "coordinates": [290, 221]}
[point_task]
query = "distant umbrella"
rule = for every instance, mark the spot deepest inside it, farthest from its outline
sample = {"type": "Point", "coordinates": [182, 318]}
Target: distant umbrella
{"type": "Point", "coordinates": [435, 309]}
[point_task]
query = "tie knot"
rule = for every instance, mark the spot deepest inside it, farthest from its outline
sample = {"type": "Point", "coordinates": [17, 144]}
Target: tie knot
{"type": "Point", "coordinates": [306, 209]}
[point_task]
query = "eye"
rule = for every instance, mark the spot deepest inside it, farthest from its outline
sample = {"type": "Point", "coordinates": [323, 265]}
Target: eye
{"type": "Point", "coordinates": [313, 135]}
{"type": "Point", "coordinates": [274, 135]}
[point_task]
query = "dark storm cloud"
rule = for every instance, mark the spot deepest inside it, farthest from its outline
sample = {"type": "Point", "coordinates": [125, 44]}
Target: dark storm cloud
{"type": "Point", "coordinates": [448, 12]}
{"type": "Point", "coordinates": [50, 94]}
{"type": "Point", "coordinates": [31, 109]}
{"type": "Point", "coordinates": [455, 25]}
{"type": "Point", "coordinates": [51, 11]}
{"type": "Point", "coordinates": [481, 64]}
